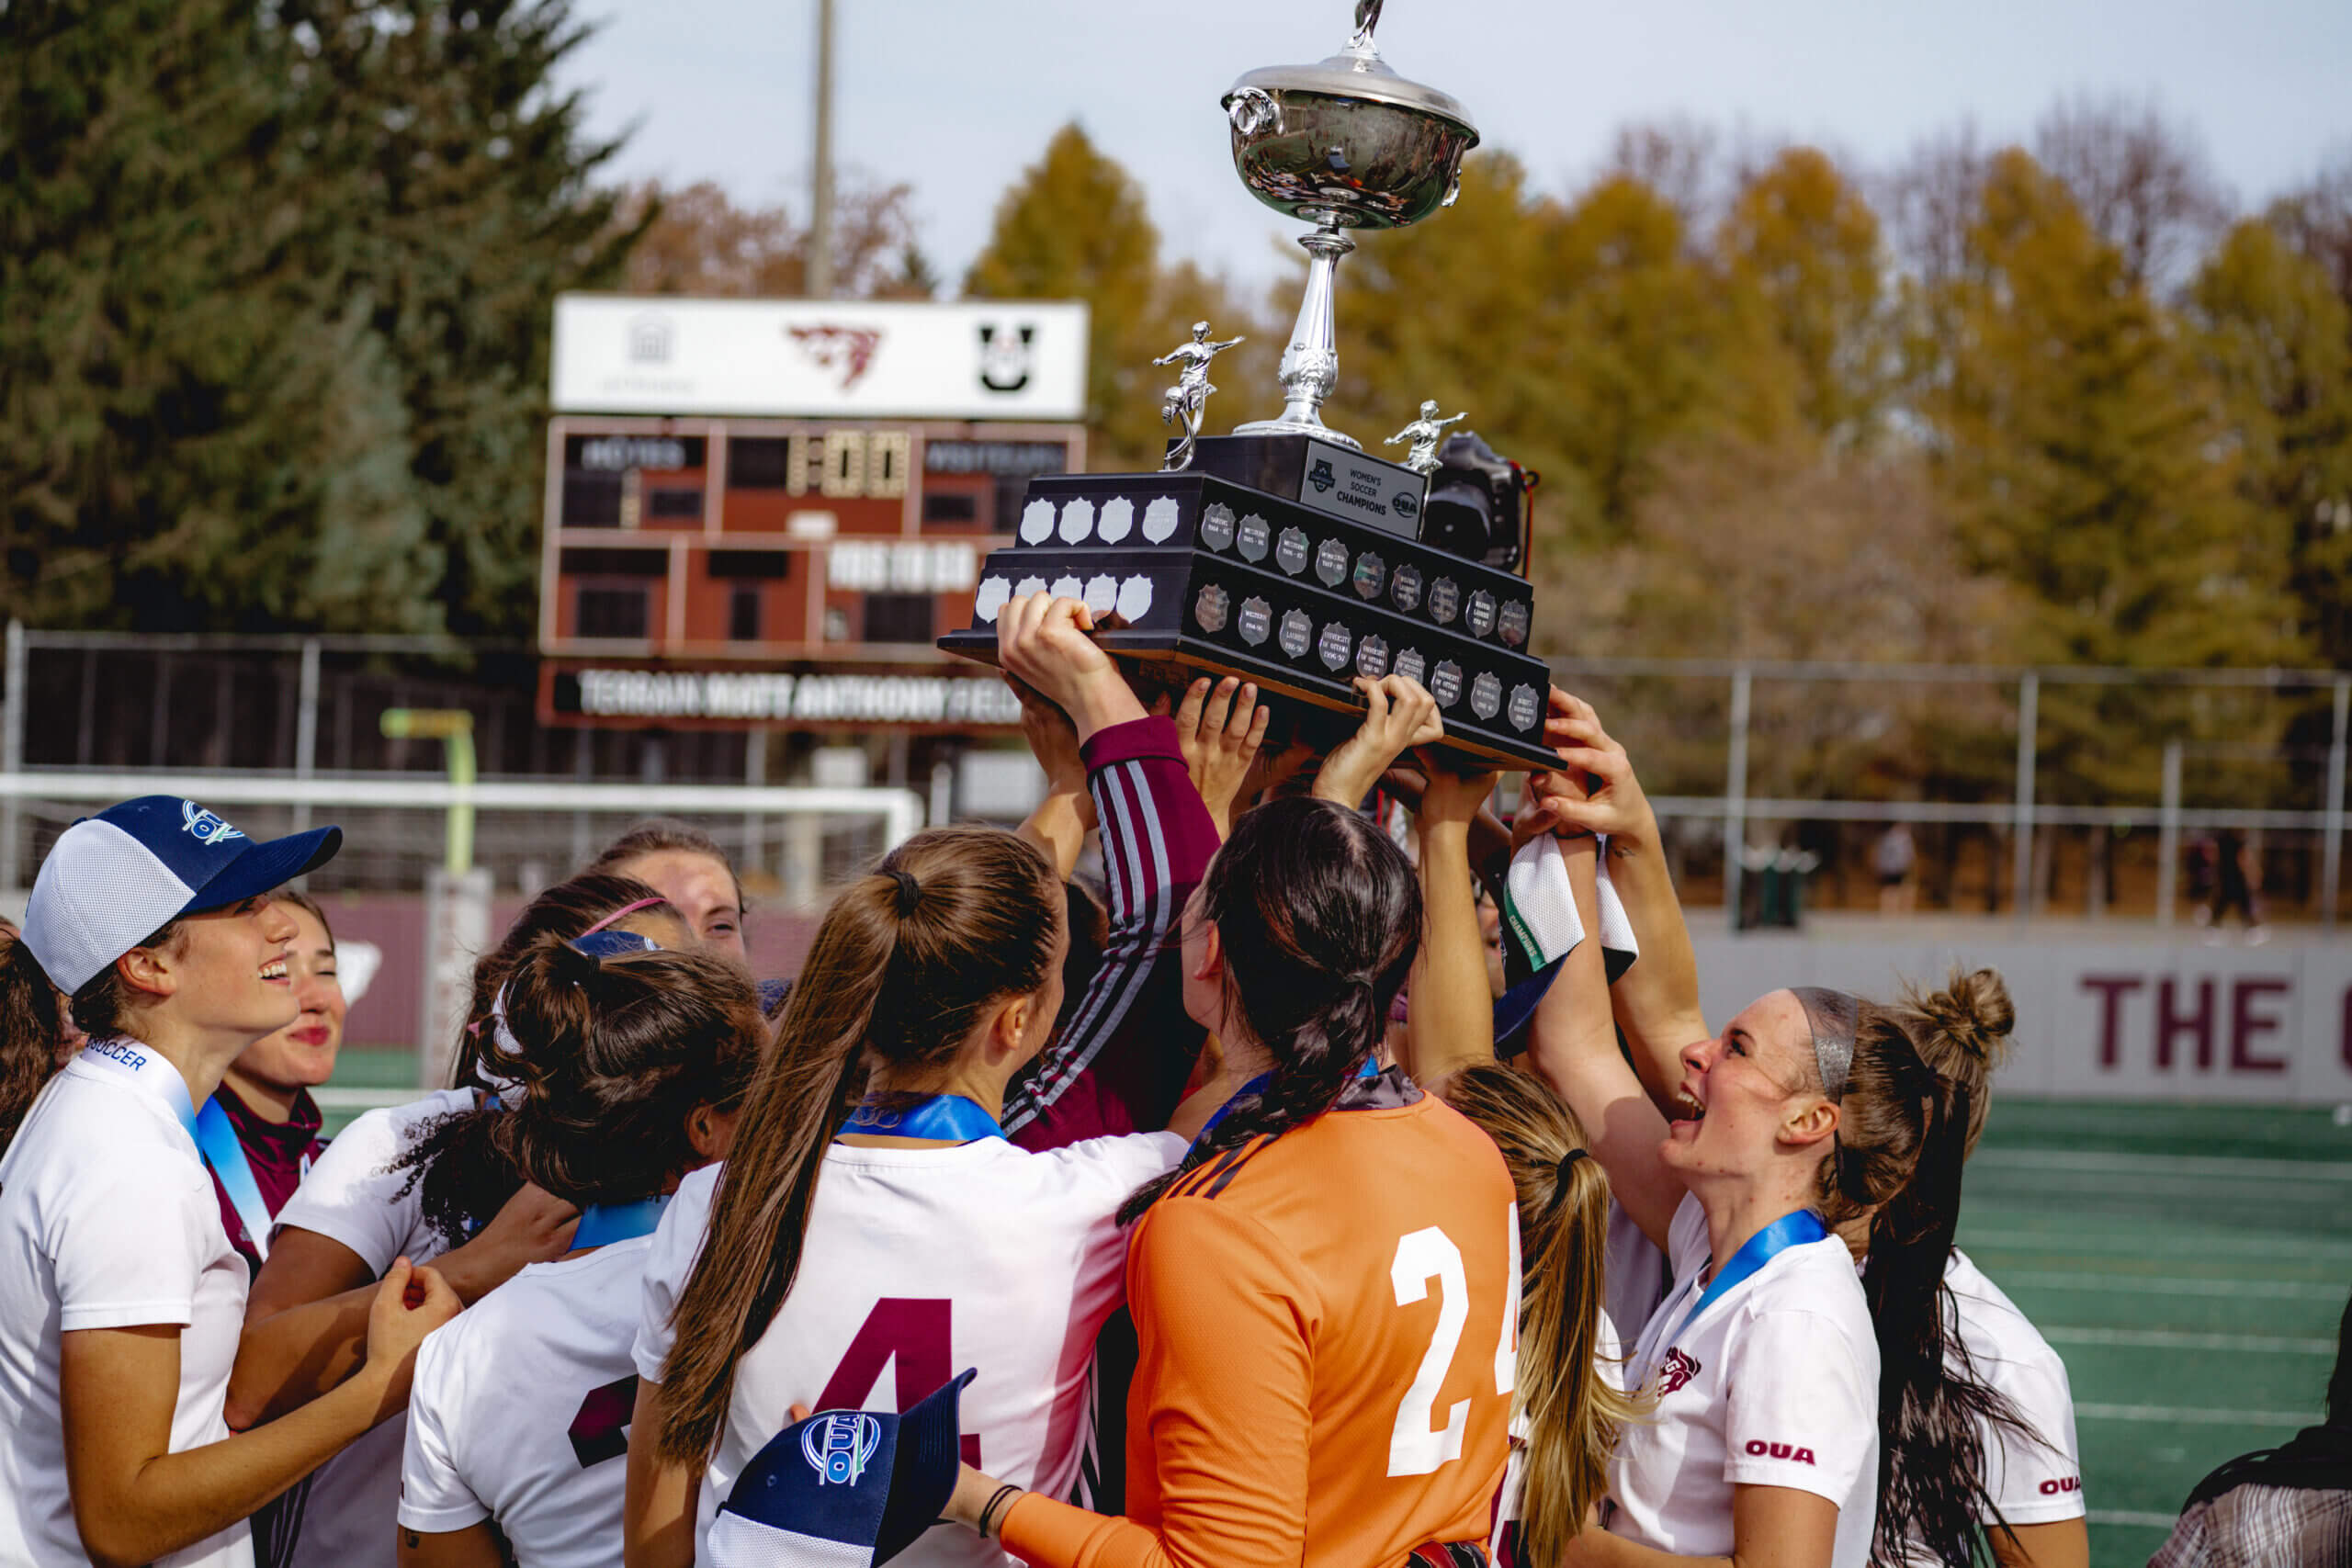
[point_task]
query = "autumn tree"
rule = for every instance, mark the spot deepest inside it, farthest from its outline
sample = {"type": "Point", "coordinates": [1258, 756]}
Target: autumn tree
{"type": "Point", "coordinates": [2079, 443]}
{"type": "Point", "coordinates": [2139, 177]}
{"type": "Point", "coordinates": [1075, 226]}
{"type": "Point", "coordinates": [695, 240]}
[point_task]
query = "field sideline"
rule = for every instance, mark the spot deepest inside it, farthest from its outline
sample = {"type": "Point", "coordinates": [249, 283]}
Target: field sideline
{"type": "Point", "coordinates": [2190, 1263]}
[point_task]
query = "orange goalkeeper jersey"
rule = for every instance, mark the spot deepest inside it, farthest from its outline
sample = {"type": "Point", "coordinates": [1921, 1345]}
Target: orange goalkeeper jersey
{"type": "Point", "coordinates": [1328, 1324]}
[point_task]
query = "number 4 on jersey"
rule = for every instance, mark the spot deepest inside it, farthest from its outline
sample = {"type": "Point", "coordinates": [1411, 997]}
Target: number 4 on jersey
{"type": "Point", "coordinates": [914, 1334]}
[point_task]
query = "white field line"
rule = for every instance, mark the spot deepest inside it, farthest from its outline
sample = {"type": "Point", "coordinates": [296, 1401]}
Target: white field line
{"type": "Point", "coordinates": [2107, 1162]}
{"type": "Point", "coordinates": [2132, 1517]}
{"type": "Point", "coordinates": [2170, 1339]}
{"type": "Point", "coordinates": [2138, 1246]}
{"type": "Point", "coordinates": [2196, 1414]}
{"type": "Point", "coordinates": [2173, 1285]}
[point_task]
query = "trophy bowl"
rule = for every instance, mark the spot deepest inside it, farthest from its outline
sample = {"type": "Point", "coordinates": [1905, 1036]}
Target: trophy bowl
{"type": "Point", "coordinates": [1348, 141]}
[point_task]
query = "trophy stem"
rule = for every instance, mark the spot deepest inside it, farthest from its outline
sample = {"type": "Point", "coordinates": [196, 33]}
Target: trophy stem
{"type": "Point", "coordinates": [1311, 364]}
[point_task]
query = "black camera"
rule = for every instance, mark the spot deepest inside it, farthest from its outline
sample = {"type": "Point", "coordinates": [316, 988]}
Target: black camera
{"type": "Point", "coordinates": [1481, 506]}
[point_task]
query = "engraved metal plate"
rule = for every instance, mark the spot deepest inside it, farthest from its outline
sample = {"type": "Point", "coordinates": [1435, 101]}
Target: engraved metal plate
{"type": "Point", "coordinates": [1372, 657]}
{"type": "Point", "coordinates": [1479, 616]}
{"type": "Point", "coordinates": [1405, 589]}
{"type": "Point", "coordinates": [1254, 538]}
{"type": "Point", "coordinates": [1371, 575]}
{"type": "Point", "coordinates": [1028, 585]}
{"type": "Point", "coordinates": [991, 597]}
{"type": "Point", "coordinates": [1135, 599]}
{"type": "Point", "coordinates": [1257, 620]}
{"type": "Point", "coordinates": [1510, 623]}
{"type": "Point", "coordinates": [1216, 525]}
{"type": "Point", "coordinates": [1331, 561]}
{"type": "Point", "coordinates": [1159, 520]}
{"type": "Point", "coordinates": [1290, 551]}
{"type": "Point", "coordinates": [1411, 665]}
{"type": "Point", "coordinates": [1297, 633]}
{"type": "Point", "coordinates": [1446, 682]}
{"type": "Point", "coordinates": [1332, 647]}
{"type": "Point", "coordinates": [1068, 588]}
{"type": "Point", "coordinates": [1347, 484]}
{"type": "Point", "coordinates": [1486, 695]}
{"type": "Point", "coordinates": [1526, 707]}
{"type": "Point", "coordinates": [1036, 522]}
{"type": "Point", "coordinates": [1077, 521]}
{"type": "Point", "coordinates": [1445, 600]}
{"type": "Point", "coordinates": [1102, 593]}
{"type": "Point", "coordinates": [1210, 608]}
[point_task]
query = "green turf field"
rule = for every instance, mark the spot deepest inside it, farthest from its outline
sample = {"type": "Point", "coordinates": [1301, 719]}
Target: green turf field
{"type": "Point", "coordinates": [2190, 1262]}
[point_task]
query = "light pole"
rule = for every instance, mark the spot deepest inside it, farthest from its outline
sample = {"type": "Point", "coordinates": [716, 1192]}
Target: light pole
{"type": "Point", "coordinates": [821, 180]}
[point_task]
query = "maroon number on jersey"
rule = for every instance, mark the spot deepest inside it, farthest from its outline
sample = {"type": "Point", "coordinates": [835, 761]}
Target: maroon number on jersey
{"type": "Point", "coordinates": [916, 1331]}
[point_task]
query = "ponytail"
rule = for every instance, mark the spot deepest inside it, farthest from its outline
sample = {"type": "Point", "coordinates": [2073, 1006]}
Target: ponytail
{"type": "Point", "coordinates": [566, 910]}
{"type": "Point", "coordinates": [1573, 1412]}
{"type": "Point", "coordinates": [1913, 1103]}
{"type": "Point", "coordinates": [1319, 916]}
{"type": "Point", "coordinates": [906, 967]}
{"type": "Point", "coordinates": [618, 1052]}
{"type": "Point", "coordinates": [32, 1018]}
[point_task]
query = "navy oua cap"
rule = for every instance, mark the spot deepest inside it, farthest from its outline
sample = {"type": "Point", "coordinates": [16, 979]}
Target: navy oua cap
{"type": "Point", "coordinates": [113, 880]}
{"type": "Point", "coordinates": [845, 1489]}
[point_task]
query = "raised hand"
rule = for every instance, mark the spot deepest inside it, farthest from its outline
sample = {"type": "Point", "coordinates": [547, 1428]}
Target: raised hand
{"type": "Point", "coordinates": [1054, 743]}
{"type": "Point", "coordinates": [1220, 729]}
{"type": "Point", "coordinates": [1399, 713]}
{"type": "Point", "coordinates": [1606, 799]}
{"type": "Point", "coordinates": [1450, 797]}
{"type": "Point", "coordinates": [1043, 641]}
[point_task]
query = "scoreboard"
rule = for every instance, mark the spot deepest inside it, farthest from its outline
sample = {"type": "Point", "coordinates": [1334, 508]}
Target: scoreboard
{"type": "Point", "coordinates": [770, 569]}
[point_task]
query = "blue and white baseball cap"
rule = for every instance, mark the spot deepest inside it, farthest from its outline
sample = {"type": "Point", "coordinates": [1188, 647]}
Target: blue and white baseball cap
{"type": "Point", "coordinates": [845, 1489]}
{"type": "Point", "coordinates": [112, 880]}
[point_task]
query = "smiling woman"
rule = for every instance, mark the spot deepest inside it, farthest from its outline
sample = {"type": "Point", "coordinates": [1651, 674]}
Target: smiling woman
{"type": "Point", "coordinates": [116, 1343]}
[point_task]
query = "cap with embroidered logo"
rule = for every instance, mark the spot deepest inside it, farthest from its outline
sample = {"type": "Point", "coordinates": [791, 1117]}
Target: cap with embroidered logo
{"type": "Point", "coordinates": [845, 1489]}
{"type": "Point", "coordinates": [112, 880]}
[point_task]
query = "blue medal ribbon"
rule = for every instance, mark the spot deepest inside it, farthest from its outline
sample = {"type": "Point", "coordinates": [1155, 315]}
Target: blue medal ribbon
{"type": "Point", "coordinates": [130, 1059]}
{"type": "Point", "coordinates": [603, 1223]}
{"type": "Point", "coordinates": [946, 1118]}
{"type": "Point", "coordinates": [1371, 1070]}
{"type": "Point", "coordinates": [216, 1140]}
{"type": "Point", "coordinates": [1789, 1230]}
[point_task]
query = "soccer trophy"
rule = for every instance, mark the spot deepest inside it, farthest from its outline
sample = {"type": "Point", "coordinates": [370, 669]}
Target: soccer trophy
{"type": "Point", "coordinates": [1284, 553]}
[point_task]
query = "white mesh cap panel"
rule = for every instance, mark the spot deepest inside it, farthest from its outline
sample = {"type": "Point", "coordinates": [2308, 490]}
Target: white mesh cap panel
{"type": "Point", "coordinates": [735, 1541]}
{"type": "Point", "coordinates": [99, 894]}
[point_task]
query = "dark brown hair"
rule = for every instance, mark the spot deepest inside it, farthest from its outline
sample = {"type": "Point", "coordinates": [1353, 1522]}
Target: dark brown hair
{"type": "Point", "coordinates": [618, 1053]}
{"type": "Point", "coordinates": [1963, 1033]}
{"type": "Point", "coordinates": [565, 911]}
{"type": "Point", "coordinates": [1903, 1135]}
{"type": "Point", "coordinates": [1319, 916]}
{"type": "Point", "coordinates": [33, 1015]}
{"type": "Point", "coordinates": [908, 963]}
{"type": "Point", "coordinates": [1572, 1409]}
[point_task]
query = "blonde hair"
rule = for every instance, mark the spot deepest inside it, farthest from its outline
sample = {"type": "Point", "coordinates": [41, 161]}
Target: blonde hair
{"type": "Point", "coordinates": [1573, 1413]}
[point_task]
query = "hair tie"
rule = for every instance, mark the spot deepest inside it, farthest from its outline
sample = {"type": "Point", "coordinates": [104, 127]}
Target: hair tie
{"type": "Point", "coordinates": [909, 892]}
{"type": "Point", "coordinates": [625, 910]}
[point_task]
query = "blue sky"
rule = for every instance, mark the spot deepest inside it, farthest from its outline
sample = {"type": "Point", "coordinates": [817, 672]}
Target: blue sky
{"type": "Point", "coordinates": [957, 98]}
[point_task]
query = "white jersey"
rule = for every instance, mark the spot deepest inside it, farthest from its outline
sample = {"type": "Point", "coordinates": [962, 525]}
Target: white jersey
{"type": "Point", "coordinates": [2032, 1483]}
{"type": "Point", "coordinates": [1633, 1270]}
{"type": "Point", "coordinates": [341, 1517]}
{"type": "Point", "coordinates": [1775, 1385]}
{"type": "Point", "coordinates": [927, 1262]}
{"type": "Point", "coordinates": [107, 1220]}
{"type": "Point", "coordinates": [520, 1411]}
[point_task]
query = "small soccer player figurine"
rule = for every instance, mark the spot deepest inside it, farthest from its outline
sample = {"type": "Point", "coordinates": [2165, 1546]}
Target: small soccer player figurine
{"type": "Point", "coordinates": [1190, 395]}
{"type": "Point", "coordinates": [1424, 434]}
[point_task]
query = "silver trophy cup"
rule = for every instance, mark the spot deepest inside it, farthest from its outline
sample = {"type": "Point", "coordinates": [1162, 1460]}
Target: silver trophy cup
{"type": "Point", "coordinates": [1345, 144]}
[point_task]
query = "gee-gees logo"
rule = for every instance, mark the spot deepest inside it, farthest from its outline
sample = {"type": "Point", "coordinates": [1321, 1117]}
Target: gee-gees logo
{"type": "Point", "coordinates": [207, 829]}
{"type": "Point", "coordinates": [837, 1446]}
{"type": "Point", "coordinates": [1758, 1449]}
{"type": "Point", "coordinates": [1675, 1373]}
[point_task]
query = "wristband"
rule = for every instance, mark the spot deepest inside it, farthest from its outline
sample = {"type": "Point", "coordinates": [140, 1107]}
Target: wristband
{"type": "Point", "coordinates": [997, 1499]}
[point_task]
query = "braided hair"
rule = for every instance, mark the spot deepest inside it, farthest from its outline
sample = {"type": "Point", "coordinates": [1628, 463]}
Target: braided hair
{"type": "Point", "coordinates": [1319, 916]}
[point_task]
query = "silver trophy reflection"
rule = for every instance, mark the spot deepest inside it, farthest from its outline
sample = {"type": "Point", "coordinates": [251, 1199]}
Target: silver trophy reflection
{"type": "Point", "coordinates": [1190, 395]}
{"type": "Point", "coordinates": [1345, 144]}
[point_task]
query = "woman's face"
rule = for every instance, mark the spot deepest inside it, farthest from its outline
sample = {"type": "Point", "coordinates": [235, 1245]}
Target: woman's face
{"type": "Point", "coordinates": [701, 889]}
{"type": "Point", "coordinates": [229, 968]}
{"type": "Point", "coordinates": [301, 1055]}
{"type": "Point", "coordinates": [1740, 1090]}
